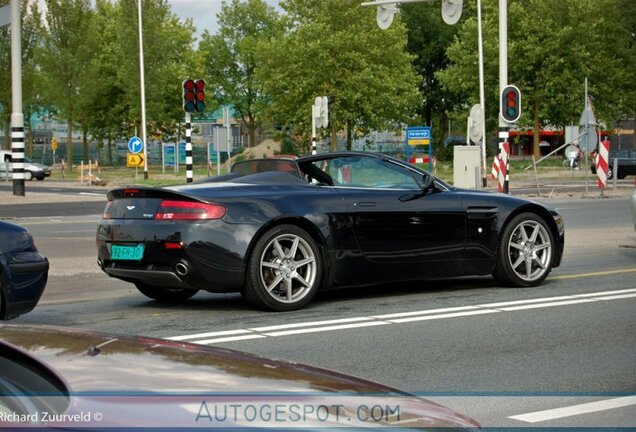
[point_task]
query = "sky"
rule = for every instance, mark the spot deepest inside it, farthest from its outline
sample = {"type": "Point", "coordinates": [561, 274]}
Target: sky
{"type": "Point", "coordinates": [202, 12]}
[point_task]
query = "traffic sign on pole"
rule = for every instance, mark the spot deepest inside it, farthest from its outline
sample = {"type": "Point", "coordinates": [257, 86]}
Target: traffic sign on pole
{"type": "Point", "coordinates": [135, 145]}
{"type": "Point", "coordinates": [5, 15]}
{"type": "Point", "coordinates": [134, 160]}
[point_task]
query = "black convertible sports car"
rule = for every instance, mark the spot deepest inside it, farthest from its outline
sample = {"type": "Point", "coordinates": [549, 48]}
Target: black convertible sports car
{"type": "Point", "coordinates": [280, 233]}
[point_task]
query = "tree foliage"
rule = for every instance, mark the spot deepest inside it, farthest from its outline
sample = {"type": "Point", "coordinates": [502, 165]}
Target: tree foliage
{"type": "Point", "coordinates": [168, 59]}
{"type": "Point", "coordinates": [428, 39]}
{"type": "Point", "coordinates": [64, 56]}
{"type": "Point", "coordinates": [552, 48]}
{"type": "Point", "coordinates": [334, 48]}
{"type": "Point", "coordinates": [31, 33]}
{"type": "Point", "coordinates": [231, 58]}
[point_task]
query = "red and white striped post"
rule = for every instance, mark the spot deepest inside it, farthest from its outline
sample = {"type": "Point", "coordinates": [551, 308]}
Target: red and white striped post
{"type": "Point", "coordinates": [500, 167]}
{"type": "Point", "coordinates": [602, 165]}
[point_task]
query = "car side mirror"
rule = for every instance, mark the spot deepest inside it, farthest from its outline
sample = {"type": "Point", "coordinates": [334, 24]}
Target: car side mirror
{"type": "Point", "coordinates": [427, 183]}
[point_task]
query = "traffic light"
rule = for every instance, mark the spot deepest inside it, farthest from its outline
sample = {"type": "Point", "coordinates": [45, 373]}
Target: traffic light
{"type": "Point", "coordinates": [199, 90]}
{"type": "Point", "coordinates": [189, 96]}
{"type": "Point", "coordinates": [510, 104]}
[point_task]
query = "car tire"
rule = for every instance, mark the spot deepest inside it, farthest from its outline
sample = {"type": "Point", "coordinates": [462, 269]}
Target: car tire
{"type": "Point", "coordinates": [28, 175]}
{"type": "Point", "coordinates": [610, 172]}
{"type": "Point", "coordinates": [284, 270]}
{"type": "Point", "coordinates": [40, 178]}
{"type": "Point", "coordinates": [165, 295]}
{"type": "Point", "coordinates": [525, 253]}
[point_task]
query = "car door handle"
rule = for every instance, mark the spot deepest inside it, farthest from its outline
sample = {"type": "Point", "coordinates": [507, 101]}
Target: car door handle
{"type": "Point", "coordinates": [364, 204]}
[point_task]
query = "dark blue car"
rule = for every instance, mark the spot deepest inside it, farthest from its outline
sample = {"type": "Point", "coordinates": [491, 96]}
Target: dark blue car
{"type": "Point", "coordinates": [23, 271]}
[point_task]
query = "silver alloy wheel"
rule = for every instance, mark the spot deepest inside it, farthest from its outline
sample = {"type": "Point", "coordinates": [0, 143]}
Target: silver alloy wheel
{"type": "Point", "coordinates": [530, 250]}
{"type": "Point", "coordinates": [288, 268]}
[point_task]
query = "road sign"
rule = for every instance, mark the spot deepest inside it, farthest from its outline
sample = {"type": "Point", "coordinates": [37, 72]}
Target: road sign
{"type": "Point", "coordinates": [54, 144]}
{"type": "Point", "coordinates": [476, 119]}
{"type": "Point", "coordinates": [135, 160]}
{"type": "Point", "coordinates": [135, 145]}
{"type": "Point", "coordinates": [5, 15]}
{"type": "Point", "coordinates": [451, 11]}
{"type": "Point", "coordinates": [181, 153]}
{"type": "Point", "coordinates": [588, 139]}
{"type": "Point", "coordinates": [418, 135]}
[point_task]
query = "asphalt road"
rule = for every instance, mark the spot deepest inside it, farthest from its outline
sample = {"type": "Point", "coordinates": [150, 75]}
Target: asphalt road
{"type": "Point", "coordinates": [487, 351]}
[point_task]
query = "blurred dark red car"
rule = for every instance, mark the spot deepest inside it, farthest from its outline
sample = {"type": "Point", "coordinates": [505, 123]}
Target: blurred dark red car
{"type": "Point", "coordinates": [63, 378]}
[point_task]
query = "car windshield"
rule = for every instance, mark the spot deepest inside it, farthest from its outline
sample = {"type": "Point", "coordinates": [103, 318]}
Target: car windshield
{"type": "Point", "coordinates": [360, 172]}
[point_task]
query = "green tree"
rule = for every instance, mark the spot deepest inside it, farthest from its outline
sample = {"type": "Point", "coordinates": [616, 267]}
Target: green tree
{"type": "Point", "coordinates": [169, 58]}
{"type": "Point", "coordinates": [552, 48]}
{"type": "Point", "coordinates": [63, 58]}
{"type": "Point", "coordinates": [334, 48]}
{"type": "Point", "coordinates": [428, 39]}
{"type": "Point", "coordinates": [31, 33]}
{"type": "Point", "coordinates": [106, 103]}
{"type": "Point", "coordinates": [231, 58]}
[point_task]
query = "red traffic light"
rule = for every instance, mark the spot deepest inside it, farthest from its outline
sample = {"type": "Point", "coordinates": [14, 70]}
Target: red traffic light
{"type": "Point", "coordinates": [193, 95]}
{"type": "Point", "coordinates": [510, 104]}
{"type": "Point", "coordinates": [200, 92]}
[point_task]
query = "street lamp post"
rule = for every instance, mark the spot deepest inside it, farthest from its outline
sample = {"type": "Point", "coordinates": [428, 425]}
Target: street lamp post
{"type": "Point", "coordinates": [143, 91]}
{"type": "Point", "coordinates": [17, 118]}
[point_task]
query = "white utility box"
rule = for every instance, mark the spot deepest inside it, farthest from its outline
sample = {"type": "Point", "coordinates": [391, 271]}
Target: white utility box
{"type": "Point", "coordinates": [466, 163]}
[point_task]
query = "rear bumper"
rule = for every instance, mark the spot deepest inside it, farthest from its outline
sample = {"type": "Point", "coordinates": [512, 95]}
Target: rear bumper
{"type": "Point", "coordinates": [211, 256]}
{"type": "Point", "coordinates": [152, 278]}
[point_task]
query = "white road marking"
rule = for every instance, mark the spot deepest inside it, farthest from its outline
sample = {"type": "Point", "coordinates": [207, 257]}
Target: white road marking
{"type": "Point", "coordinates": [517, 302]}
{"type": "Point", "coordinates": [442, 316]}
{"type": "Point", "coordinates": [209, 334]}
{"type": "Point", "coordinates": [543, 305]}
{"type": "Point", "coordinates": [604, 293]}
{"type": "Point", "coordinates": [228, 339]}
{"type": "Point", "coordinates": [328, 328]}
{"type": "Point", "coordinates": [401, 317]}
{"type": "Point", "coordinates": [424, 312]}
{"type": "Point", "coordinates": [617, 297]}
{"type": "Point", "coordinates": [309, 324]}
{"type": "Point", "coordinates": [585, 408]}
{"type": "Point", "coordinates": [93, 194]}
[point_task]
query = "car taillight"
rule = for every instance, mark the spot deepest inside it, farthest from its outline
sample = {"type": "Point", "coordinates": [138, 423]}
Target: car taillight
{"type": "Point", "coordinates": [188, 210]}
{"type": "Point", "coordinates": [106, 214]}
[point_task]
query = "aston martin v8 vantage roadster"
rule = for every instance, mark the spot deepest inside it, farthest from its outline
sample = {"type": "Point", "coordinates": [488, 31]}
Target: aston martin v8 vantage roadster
{"type": "Point", "coordinates": [280, 234]}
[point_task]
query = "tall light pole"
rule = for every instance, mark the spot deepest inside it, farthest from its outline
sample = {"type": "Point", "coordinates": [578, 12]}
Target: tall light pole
{"type": "Point", "coordinates": [143, 91]}
{"type": "Point", "coordinates": [17, 118]}
{"type": "Point", "coordinates": [482, 98]}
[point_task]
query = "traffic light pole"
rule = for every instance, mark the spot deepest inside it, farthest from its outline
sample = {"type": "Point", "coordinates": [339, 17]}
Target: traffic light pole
{"type": "Point", "coordinates": [503, 82]}
{"type": "Point", "coordinates": [313, 130]}
{"type": "Point", "coordinates": [188, 148]}
{"type": "Point", "coordinates": [17, 118]}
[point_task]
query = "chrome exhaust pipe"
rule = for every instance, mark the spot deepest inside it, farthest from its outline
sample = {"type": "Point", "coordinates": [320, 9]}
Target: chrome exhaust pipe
{"type": "Point", "coordinates": [182, 269]}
